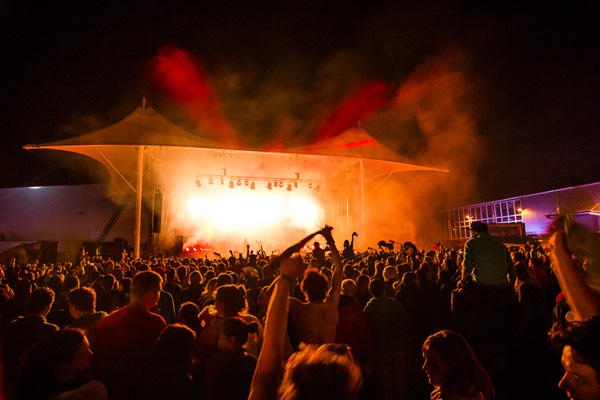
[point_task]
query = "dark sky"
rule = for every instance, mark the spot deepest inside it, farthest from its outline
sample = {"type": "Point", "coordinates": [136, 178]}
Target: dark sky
{"type": "Point", "coordinates": [531, 73]}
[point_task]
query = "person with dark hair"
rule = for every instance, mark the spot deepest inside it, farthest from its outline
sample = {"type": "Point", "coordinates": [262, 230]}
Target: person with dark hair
{"type": "Point", "coordinates": [348, 251]}
{"type": "Point", "coordinates": [126, 337]}
{"type": "Point", "coordinates": [82, 307]}
{"type": "Point", "coordinates": [188, 316]}
{"type": "Point", "coordinates": [107, 294]}
{"type": "Point", "coordinates": [362, 290]}
{"type": "Point", "coordinates": [316, 320]}
{"type": "Point", "coordinates": [580, 343]}
{"type": "Point", "coordinates": [124, 290]}
{"type": "Point", "coordinates": [230, 301]}
{"type": "Point", "coordinates": [390, 328]}
{"type": "Point", "coordinates": [168, 375]}
{"type": "Point", "coordinates": [233, 377]}
{"type": "Point", "coordinates": [224, 279]}
{"type": "Point", "coordinates": [56, 368]}
{"type": "Point", "coordinates": [165, 307]}
{"type": "Point", "coordinates": [173, 285]}
{"type": "Point", "coordinates": [26, 331]}
{"type": "Point", "coordinates": [318, 254]}
{"type": "Point", "coordinates": [453, 369]}
{"type": "Point", "coordinates": [194, 290]}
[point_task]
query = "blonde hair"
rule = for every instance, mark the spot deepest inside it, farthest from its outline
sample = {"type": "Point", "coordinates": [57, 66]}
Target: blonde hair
{"type": "Point", "coordinates": [326, 372]}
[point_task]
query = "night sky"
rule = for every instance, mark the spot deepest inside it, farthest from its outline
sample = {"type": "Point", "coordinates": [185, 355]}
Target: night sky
{"type": "Point", "coordinates": [514, 90]}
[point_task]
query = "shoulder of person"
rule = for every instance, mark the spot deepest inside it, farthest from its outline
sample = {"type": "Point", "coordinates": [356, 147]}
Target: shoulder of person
{"type": "Point", "coordinates": [93, 390]}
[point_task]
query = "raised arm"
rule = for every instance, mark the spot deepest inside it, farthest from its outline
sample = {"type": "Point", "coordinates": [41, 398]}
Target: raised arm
{"type": "Point", "coordinates": [287, 253]}
{"type": "Point", "coordinates": [584, 302]}
{"type": "Point", "coordinates": [268, 370]}
{"type": "Point", "coordinates": [298, 246]}
{"type": "Point", "coordinates": [354, 234]}
{"type": "Point", "coordinates": [336, 279]}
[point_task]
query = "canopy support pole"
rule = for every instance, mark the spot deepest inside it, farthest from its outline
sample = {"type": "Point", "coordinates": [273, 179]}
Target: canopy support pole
{"type": "Point", "coordinates": [362, 202]}
{"type": "Point", "coordinates": [113, 167]}
{"type": "Point", "coordinates": [382, 181]}
{"type": "Point", "coordinates": [138, 202]}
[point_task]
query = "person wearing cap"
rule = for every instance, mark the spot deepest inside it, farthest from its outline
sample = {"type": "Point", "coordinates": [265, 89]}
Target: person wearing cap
{"type": "Point", "coordinates": [491, 307]}
{"type": "Point", "coordinates": [487, 261]}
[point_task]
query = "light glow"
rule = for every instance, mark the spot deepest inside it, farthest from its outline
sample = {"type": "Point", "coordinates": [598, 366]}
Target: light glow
{"type": "Point", "coordinates": [220, 214]}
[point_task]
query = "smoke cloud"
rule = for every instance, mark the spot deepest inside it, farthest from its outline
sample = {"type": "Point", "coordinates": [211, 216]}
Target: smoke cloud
{"type": "Point", "coordinates": [432, 119]}
{"type": "Point", "coordinates": [429, 118]}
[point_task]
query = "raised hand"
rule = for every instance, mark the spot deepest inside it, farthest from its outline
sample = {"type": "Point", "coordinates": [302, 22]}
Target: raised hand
{"type": "Point", "coordinates": [326, 233]}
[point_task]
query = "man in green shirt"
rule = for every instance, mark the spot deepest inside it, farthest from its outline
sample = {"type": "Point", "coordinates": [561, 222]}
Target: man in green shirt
{"type": "Point", "coordinates": [487, 261]}
{"type": "Point", "coordinates": [491, 306]}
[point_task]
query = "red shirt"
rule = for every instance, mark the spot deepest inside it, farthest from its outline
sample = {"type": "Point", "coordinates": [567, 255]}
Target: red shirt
{"type": "Point", "coordinates": [126, 340]}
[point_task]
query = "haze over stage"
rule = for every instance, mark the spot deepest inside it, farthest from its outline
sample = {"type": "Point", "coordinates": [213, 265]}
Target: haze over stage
{"type": "Point", "coordinates": [323, 182]}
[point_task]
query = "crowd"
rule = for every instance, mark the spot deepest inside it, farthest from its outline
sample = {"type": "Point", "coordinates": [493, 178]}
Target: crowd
{"type": "Point", "coordinates": [314, 322]}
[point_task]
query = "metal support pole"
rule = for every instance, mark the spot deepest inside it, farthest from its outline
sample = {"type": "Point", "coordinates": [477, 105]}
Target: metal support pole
{"type": "Point", "coordinates": [362, 202]}
{"type": "Point", "coordinates": [138, 202]}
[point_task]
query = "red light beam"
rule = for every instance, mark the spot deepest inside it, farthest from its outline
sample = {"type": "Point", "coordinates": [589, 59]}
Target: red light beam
{"type": "Point", "coordinates": [185, 81]}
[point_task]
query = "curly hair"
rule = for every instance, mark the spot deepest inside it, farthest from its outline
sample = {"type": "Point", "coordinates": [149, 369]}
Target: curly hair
{"type": "Point", "coordinates": [315, 286]}
{"type": "Point", "coordinates": [582, 336]}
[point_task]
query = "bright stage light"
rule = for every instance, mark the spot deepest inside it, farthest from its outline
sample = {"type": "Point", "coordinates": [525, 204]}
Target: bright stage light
{"type": "Point", "coordinates": [248, 212]}
{"type": "Point", "coordinates": [304, 212]}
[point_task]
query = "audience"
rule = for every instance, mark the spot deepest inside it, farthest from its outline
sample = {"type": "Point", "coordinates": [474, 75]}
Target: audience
{"type": "Point", "coordinates": [356, 324]}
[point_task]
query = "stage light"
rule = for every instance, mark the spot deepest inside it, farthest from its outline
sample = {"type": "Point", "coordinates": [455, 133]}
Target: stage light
{"type": "Point", "coordinates": [198, 183]}
{"type": "Point", "coordinates": [269, 186]}
{"type": "Point", "coordinates": [210, 181]}
{"type": "Point", "coordinates": [246, 182]}
{"type": "Point", "coordinates": [280, 184]}
{"type": "Point", "coordinates": [289, 187]}
{"type": "Point", "coordinates": [318, 187]}
{"type": "Point", "coordinates": [239, 182]}
{"type": "Point", "coordinates": [295, 185]}
{"type": "Point", "coordinates": [231, 185]}
{"type": "Point", "coordinates": [310, 185]}
{"type": "Point", "coordinates": [252, 186]}
{"type": "Point", "coordinates": [222, 181]}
